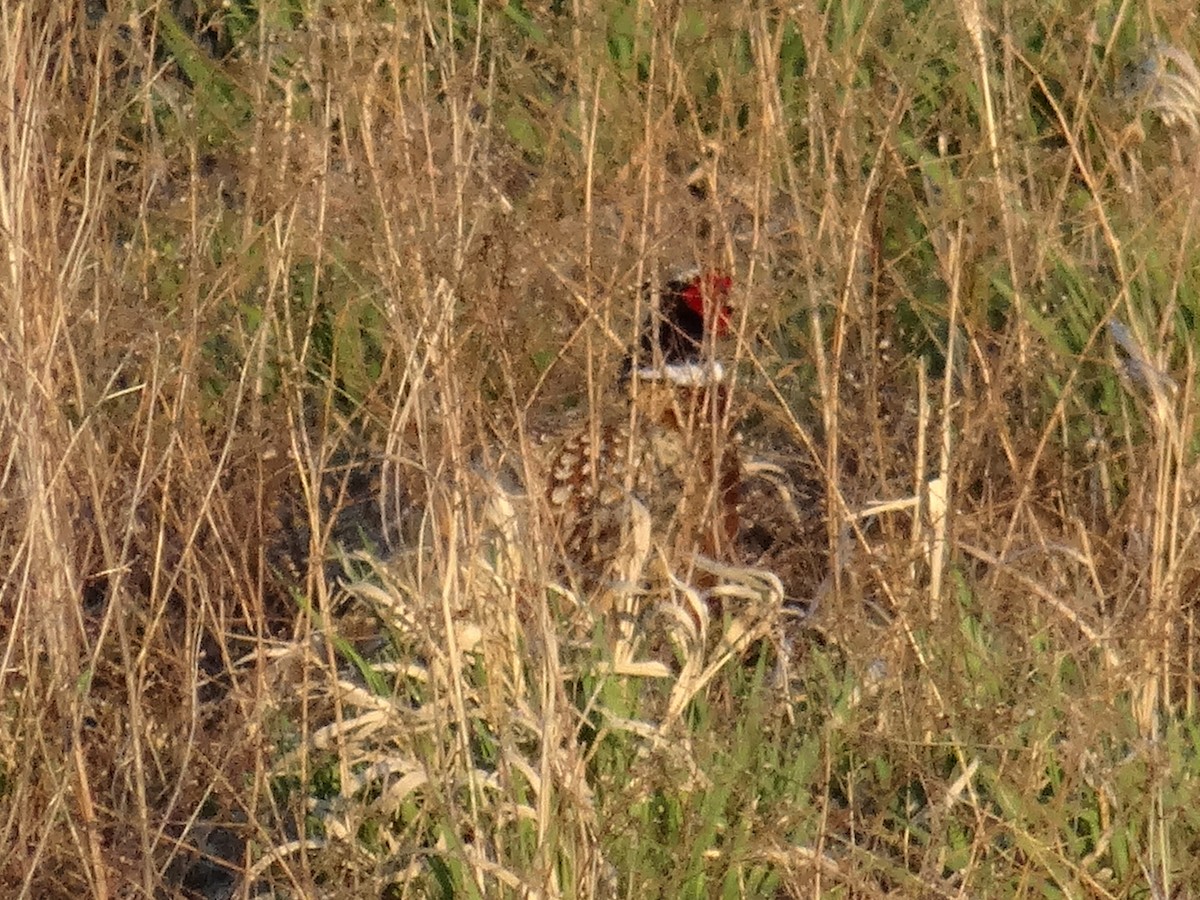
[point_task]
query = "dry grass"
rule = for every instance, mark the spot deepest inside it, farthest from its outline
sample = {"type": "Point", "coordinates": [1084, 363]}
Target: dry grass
{"type": "Point", "coordinates": [247, 245]}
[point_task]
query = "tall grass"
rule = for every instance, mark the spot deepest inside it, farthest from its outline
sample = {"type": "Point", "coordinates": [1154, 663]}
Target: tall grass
{"type": "Point", "coordinates": [256, 253]}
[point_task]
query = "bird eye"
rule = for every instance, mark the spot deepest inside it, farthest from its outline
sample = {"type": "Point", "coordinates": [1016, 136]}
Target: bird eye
{"type": "Point", "coordinates": [707, 292]}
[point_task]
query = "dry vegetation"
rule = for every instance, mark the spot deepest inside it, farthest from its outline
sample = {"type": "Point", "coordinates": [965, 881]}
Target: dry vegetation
{"type": "Point", "coordinates": [256, 254]}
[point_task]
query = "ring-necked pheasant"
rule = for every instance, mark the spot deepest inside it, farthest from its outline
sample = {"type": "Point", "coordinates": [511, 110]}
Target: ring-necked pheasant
{"type": "Point", "coordinates": [666, 459]}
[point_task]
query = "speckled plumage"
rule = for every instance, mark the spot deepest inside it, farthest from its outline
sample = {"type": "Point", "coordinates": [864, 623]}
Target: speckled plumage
{"type": "Point", "coordinates": [673, 454]}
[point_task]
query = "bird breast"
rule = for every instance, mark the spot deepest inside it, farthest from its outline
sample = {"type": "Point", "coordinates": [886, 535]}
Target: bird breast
{"type": "Point", "coordinates": [670, 457]}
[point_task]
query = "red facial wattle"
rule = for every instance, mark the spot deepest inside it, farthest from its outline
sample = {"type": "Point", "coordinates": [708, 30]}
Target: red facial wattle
{"type": "Point", "coordinates": [705, 295]}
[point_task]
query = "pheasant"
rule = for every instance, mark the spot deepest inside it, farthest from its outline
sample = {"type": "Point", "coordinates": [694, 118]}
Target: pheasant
{"type": "Point", "coordinates": [668, 457]}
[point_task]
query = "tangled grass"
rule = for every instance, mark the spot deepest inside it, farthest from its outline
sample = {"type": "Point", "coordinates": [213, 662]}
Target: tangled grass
{"type": "Point", "coordinates": [258, 252]}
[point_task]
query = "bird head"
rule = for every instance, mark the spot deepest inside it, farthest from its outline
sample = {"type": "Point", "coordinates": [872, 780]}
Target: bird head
{"type": "Point", "coordinates": [673, 342]}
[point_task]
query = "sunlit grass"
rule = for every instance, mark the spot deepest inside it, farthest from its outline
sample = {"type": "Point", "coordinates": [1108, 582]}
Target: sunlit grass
{"type": "Point", "coordinates": [261, 255]}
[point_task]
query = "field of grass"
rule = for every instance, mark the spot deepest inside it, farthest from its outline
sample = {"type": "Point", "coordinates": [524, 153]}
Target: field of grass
{"type": "Point", "coordinates": [255, 252]}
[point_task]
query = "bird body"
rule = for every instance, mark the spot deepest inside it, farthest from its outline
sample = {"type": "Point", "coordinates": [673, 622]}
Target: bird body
{"type": "Point", "coordinates": [667, 456]}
